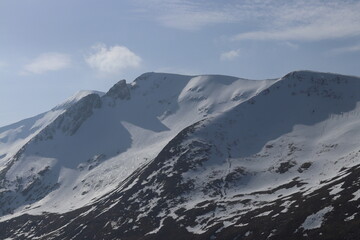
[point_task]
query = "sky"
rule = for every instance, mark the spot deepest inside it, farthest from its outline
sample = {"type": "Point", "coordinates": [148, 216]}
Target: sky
{"type": "Point", "coordinates": [49, 49]}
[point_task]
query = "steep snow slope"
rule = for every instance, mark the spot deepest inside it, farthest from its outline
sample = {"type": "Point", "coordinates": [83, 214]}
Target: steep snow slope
{"type": "Point", "coordinates": [89, 149]}
{"type": "Point", "coordinates": [293, 137]}
{"type": "Point", "coordinates": [15, 136]}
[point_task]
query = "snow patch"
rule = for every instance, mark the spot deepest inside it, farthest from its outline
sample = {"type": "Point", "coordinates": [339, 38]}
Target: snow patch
{"type": "Point", "coordinates": [315, 220]}
{"type": "Point", "coordinates": [356, 196]}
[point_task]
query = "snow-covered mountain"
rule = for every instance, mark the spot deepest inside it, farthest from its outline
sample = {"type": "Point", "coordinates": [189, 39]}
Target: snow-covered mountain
{"type": "Point", "coordinates": [188, 157]}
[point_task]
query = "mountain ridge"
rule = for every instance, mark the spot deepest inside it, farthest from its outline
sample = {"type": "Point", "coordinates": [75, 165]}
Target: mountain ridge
{"type": "Point", "coordinates": [213, 159]}
{"type": "Point", "coordinates": [82, 112]}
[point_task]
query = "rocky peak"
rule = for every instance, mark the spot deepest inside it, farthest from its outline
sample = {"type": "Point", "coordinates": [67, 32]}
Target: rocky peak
{"type": "Point", "coordinates": [119, 91]}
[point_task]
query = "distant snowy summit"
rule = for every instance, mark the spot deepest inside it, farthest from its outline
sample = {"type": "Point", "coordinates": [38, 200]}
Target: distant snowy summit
{"type": "Point", "coordinates": [188, 157]}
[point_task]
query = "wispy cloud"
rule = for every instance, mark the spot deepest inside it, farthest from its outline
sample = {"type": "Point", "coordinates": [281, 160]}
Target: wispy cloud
{"type": "Point", "coordinates": [186, 14]}
{"type": "Point", "coordinates": [193, 20]}
{"type": "Point", "coordinates": [2, 64]}
{"type": "Point", "coordinates": [47, 62]}
{"type": "Point", "coordinates": [177, 70]}
{"type": "Point", "coordinates": [309, 32]}
{"type": "Point", "coordinates": [290, 45]}
{"type": "Point", "coordinates": [308, 21]}
{"type": "Point", "coordinates": [230, 55]}
{"type": "Point", "coordinates": [286, 20]}
{"type": "Point", "coordinates": [114, 59]}
{"type": "Point", "coordinates": [348, 49]}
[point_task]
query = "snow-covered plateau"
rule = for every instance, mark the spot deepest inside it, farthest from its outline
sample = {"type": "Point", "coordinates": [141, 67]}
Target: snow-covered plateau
{"type": "Point", "coordinates": [188, 157]}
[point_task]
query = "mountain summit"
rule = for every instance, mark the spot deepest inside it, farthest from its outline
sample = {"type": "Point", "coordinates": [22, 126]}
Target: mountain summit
{"type": "Point", "coordinates": [188, 157]}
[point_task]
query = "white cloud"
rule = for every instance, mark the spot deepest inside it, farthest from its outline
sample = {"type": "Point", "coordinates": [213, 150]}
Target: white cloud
{"type": "Point", "coordinates": [230, 55]}
{"type": "Point", "coordinates": [48, 62]}
{"type": "Point", "coordinates": [113, 59]}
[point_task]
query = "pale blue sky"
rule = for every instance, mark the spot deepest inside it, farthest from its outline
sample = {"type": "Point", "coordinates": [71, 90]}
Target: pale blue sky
{"type": "Point", "coordinates": [51, 49]}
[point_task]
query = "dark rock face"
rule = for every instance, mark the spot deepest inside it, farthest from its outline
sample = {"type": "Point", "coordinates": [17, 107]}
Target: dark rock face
{"type": "Point", "coordinates": [70, 121]}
